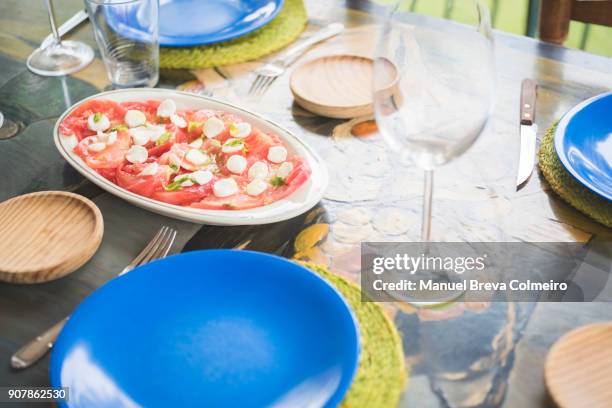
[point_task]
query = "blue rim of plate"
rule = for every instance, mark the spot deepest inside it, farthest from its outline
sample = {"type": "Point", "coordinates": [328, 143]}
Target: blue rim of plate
{"type": "Point", "coordinates": [347, 377]}
{"type": "Point", "coordinates": [559, 138]}
{"type": "Point", "coordinates": [250, 20]}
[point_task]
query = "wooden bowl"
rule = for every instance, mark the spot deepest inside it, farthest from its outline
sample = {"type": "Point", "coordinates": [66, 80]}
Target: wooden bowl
{"type": "Point", "coordinates": [578, 370]}
{"type": "Point", "coordinates": [47, 235]}
{"type": "Point", "coordinates": [336, 86]}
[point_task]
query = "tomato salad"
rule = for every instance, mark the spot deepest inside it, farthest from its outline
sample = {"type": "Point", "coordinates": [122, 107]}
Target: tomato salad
{"type": "Point", "coordinates": [197, 158]}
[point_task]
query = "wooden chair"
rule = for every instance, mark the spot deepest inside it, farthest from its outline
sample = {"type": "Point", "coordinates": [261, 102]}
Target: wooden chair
{"type": "Point", "coordinates": [555, 16]}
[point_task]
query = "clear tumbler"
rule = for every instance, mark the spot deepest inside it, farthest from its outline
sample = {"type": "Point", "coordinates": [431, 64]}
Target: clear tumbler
{"type": "Point", "coordinates": [127, 34]}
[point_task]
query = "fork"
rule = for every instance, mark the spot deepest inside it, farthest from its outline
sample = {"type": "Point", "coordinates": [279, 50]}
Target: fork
{"type": "Point", "coordinates": [33, 351]}
{"type": "Point", "coordinates": [268, 73]}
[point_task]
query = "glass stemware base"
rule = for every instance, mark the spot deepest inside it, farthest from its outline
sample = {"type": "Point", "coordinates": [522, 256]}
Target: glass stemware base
{"type": "Point", "coordinates": [433, 298]}
{"type": "Point", "coordinates": [60, 59]}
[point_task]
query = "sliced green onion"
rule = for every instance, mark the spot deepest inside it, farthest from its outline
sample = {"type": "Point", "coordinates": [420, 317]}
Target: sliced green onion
{"type": "Point", "coordinates": [235, 142]}
{"type": "Point", "coordinates": [193, 126]}
{"type": "Point", "coordinates": [173, 186]}
{"type": "Point", "coordinates": [119, 128]}
{"type": "Point", "coordinates": [277, 181]}
{"type": "Point", "coordinates": [163, 138]}
{"type": "Point", "coordinates": [176, 184]}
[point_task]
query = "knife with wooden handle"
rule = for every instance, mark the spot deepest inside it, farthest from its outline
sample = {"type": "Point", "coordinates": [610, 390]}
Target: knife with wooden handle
{"type": "Point", "coordinates": [528, 132]}
{"type": "Point", "coordinates": [36, 349]}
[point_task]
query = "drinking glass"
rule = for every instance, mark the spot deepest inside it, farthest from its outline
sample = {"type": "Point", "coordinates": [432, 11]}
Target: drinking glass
{"type": "Point", "coordinates": [60, 57]}
{"type": "Point", "coordinates": [433, 85]}
{"type": "Point", "coordinates": [127, 35]}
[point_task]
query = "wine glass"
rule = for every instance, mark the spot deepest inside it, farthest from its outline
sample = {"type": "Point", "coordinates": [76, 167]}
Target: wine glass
{"type": "Point", "coordinates": [433, 85]}
{"type": "Point", "coordinates": [60, 57]}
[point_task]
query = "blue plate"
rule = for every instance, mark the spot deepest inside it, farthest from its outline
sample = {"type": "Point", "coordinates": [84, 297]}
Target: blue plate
{"type": "Point", "coordinates": [184, 23]}
{"type": "Point", "coordinates": [216, 328]}
{"type": "Point", "coordinates": [583, 141]}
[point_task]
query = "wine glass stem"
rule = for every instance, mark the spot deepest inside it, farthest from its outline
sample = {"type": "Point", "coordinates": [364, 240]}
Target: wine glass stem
{"type": "Point", "coordinates": [427, 203]}
{"type": "Point", "coordinates": [51, 12]}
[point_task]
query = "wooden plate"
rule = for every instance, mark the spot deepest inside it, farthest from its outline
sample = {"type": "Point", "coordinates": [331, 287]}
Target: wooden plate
{"type": "Point", "coordinates": [578, 369]}
{"type": "Point", "coordinates": [46, 235]}
{"type": "Point", "coordinates": [336, 86]}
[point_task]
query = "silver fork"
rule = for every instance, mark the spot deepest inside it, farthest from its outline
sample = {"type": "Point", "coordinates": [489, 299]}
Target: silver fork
{"type": "Point", "coordinates": [268, 73]}
{"type": "Point", "coordinates": [33, 351]}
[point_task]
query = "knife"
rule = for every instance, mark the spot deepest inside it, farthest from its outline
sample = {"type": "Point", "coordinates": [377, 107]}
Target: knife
{"type": "Point", "coordinates": [65, 28]}
{"type": "Point", "coordinates": [528, 132]}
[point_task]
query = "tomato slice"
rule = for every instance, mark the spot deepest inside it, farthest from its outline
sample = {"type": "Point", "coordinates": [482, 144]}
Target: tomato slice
{"type": "Point", "coordinates": [179, 136]}
{"type": "Point", "coordinates": [149, 108]}
{"type": "Point", "coordinates": [196, 120]}
{"type": "Point", "coordinates": [76, 122]}
{"type": "Point", "coordinates": [129, 178]}
{"type": "Point", "coordinates": [298, 176]}
{"type": "Point", "coordinates": [157, 151]}
{"type": "Point", "coordinates": [108, 173]}
{"type": "Point", "coordinates": [185, 196]}
{"type": "Point", "coordinates": [177, 154]}
{"type": "Point", "coordinates": [222, 164]}
{"type": "Point", "coordinates": [108, 160]}
{"type": "Point", "coordinates": [238, 201]}
{"type": "Point", "coordinates": [200, 115]}
{"type": "Point", "coordinates": [258, 144]}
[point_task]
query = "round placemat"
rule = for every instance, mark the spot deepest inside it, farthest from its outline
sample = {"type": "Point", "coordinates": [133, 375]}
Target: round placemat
{"type": "Point", "coordinates": [381, 375]}
{"type": "Point", "coordinates": [280, 32]}
{"type": "Point", "coordinates": [47, 235]}
{"type": "Point", "coordinates": [567, 187]}
{"type": "Point", "coordinates": [578, 370]}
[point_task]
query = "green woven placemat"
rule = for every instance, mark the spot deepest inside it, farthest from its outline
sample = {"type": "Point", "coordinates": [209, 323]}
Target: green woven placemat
{"type": "Point", "coordinates": [381, 375]}
{"type": "Point", "coordinates": [281, 31]}
{"type": "Point", "coordinates": [564, 184]}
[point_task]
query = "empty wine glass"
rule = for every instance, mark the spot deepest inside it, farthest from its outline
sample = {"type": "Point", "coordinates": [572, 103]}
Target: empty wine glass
{"type": "Point", "coordinates": [433, 85]}
{"type": "Point", "coordinates": [60, 57]}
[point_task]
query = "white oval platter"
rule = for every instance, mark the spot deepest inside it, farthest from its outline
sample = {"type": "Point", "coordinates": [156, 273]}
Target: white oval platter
{"type": "Point", "coordinates": [303, 199]}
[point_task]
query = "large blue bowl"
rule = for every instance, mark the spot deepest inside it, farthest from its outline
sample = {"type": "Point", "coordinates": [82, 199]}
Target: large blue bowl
{"type": "Point", "coordinates": [217, 328]}
{"type": "Point", "coordinates": [583, 141]}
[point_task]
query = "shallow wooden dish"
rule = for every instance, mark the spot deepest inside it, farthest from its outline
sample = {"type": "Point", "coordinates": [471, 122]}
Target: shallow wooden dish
{"type": "Point", "coordinates": [578, 369]}
{"type": "Point", "coordinates": [335, 86]}
{"type": "Point", "coordinates": [47, 235]}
